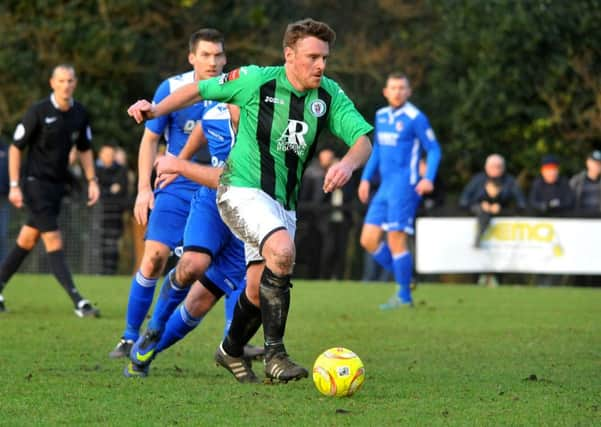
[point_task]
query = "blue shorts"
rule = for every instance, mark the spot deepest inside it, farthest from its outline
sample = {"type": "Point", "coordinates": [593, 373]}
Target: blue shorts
{"type": "Point", "coordinates": [206, 232]}
{"type": "Point", "coordinates": [168, 218]}
{"type": "Point", "coordinates": [394, 207]}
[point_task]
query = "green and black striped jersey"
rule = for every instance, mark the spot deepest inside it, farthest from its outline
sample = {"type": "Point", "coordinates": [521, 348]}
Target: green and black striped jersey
{"type": "Point", "coordinates": [279, 126]}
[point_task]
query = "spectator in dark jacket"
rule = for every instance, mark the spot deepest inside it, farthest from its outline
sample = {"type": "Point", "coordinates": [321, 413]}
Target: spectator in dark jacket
{"type": "Point", "coordinates": [587, 187]}
{"type": "Point", "coordinates": [491, 193]}
{"type": "Point", "coordinates": [112, 178]}
{"type": "Point", "coordinates": [551, 194]}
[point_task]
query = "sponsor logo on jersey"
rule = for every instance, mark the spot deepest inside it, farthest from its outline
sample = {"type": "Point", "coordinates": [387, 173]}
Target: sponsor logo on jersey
{"type": "Point", "coordinates": [293, 138]}
{"type": "Point", "coordinates": [273, 100]}
{"type": "Point", "coordinates": [387, 138]}
{"type": "Point", "coordinates": [19, 132]}
{"type": "Point", "coordinates": [232, 75]}
{"type": "Point", "coordinates": [50, 120]}
{"type": "Point", "coordinates": [318, 108]}
{"type": "Point", "coordinates": [189, 126]}
{"type": "Point", "coordinates": [74, 136]}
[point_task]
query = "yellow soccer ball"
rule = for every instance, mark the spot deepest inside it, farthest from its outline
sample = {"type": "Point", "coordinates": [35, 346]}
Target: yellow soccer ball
{"type": "Point", "coordinates": [338, 372]}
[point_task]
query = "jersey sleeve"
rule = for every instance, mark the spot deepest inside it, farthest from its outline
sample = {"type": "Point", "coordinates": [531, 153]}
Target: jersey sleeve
{"type": "Point", "coordinates": [84, 141]}
{"type": "Point", "coordinates": [344, 120]}
{"type": "Point", "coordinates": [427, 138]}
{"type": "Point", "coordinates": [27, 129]}
{"type": "Point", "coordinates": [235, 87]}
{"type": "Point", "coordinates": [159, 124]}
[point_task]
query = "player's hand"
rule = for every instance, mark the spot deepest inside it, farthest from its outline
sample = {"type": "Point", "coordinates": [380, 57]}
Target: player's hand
{"type": "Point", "coordinates": [15, 196]}
{"type": "Point", "coordinates": [167, 168]}
{"type": "Point", "coordinates": [93, 192]}
{"type": "Point", "coordinates": [424, 186]}
{"type": "Point", "coordinates": [338, 175]}
{"type": "Point", "coordinates": [141, 110]}
{"type": "Point", "coordinates": [495, 208]}
{"type": "Point", "coordinates": [144, 203]}
{"type": "Point", "coordinates": [363, 191]}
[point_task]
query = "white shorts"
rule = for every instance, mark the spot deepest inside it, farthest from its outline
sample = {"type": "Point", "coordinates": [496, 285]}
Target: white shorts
{"type": "Point", "coordinates": [253, 215]}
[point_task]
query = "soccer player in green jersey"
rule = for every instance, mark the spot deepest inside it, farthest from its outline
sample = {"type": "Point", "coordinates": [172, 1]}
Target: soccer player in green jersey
{"type": "Point", "coordinates": [283, 110]}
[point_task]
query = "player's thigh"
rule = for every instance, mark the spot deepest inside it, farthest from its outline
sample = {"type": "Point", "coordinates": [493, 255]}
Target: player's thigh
{"type": "Point", "coordinates": [371, 236]}
{"type": "Point", "coordinates": [168, 219]}
{"type": "Point", "coordinates": [253, 216]}
{"type": "Point", "coordinates": [191, 266]}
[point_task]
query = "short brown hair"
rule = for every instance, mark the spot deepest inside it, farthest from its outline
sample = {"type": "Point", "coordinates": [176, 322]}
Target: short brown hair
{"type": "Point", "coordinates": [308, 28]}
{"type": "Point", "coordinates": [397, 75]}
{"type": "Point", "coordinates": [206, 35]}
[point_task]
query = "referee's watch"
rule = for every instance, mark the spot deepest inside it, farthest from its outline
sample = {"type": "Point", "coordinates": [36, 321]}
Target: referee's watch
{"type": "Point", "coordinates": [94, 179]}
{"type": "Point", "coordinates": [14, 184]}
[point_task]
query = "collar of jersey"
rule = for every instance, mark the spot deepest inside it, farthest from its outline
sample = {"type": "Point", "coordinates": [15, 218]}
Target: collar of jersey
{"type": "Point", "coordinates": [284, 80]}
{"type": "Point", "coordinates": [53, 100]}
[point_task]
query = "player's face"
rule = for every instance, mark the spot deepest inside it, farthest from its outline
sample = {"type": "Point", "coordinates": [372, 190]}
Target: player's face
{"type": "Point", "coordinates": [63, 83]}
{"type": "Point", "coordinates": [306, 62]}
{"type": "Point", "coordinates": [208, 59]}
{"type": "Point", "coordinates": [396, 92]}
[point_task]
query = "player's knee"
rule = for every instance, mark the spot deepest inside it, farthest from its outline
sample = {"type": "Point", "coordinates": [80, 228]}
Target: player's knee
{"type": "Point", "coordinates": [282, 260]}
{"type": "Point", "coordinates": [191, 267]}
{"type": "Point", "coordinates": [368, 243]}
{"type": "Point", "coordinates": [152, 264]}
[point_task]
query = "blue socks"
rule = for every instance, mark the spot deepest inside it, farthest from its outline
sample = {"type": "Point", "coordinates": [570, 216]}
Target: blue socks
{"type": "Point", "coordinates": [141, 293]}
{"type": "Point", "coordinates": [383, 257]}
{"type": "Point", "coordinates": [403, 270]}
{"type": "Point", "coordinates": [169, 298]}
{"type": "Point", "coordinates": [179, 324]}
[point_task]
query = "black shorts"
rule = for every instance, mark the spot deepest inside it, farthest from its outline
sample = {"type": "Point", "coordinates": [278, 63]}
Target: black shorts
{"type": "Point", "coordinates": [43, 202]}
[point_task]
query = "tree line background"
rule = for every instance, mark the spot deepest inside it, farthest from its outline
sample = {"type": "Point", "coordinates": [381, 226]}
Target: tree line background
{"type": "Point", "coordinates": [517, 77]}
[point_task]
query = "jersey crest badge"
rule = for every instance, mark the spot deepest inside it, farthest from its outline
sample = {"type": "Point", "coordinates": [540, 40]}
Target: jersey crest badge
{"type": "Point", "coordinates": [399, 126]}
{"type": "Point", "coordinates": [318, 108]}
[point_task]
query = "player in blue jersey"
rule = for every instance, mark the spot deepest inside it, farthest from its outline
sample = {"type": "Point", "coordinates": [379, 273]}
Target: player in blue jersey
{"type": "Point", "coordinates": [170, 205]}
{"type": "Point", "coordinates": [402, 132]}
{"type": "Point", "coordinates": [212, 255]}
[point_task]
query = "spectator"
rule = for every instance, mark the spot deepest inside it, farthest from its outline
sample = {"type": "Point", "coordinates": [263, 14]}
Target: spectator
{"type": "Point", "coordinates": [112, 178]}
{"type": "Point", "coordinates": [488, 194]}
{"type": "Point", "coordinates": [587, 187]}
{"type": "Point", "coordinates": [550, 194]}
{"type": "Point", "coordinates": [4, 204]}
{"type": "Point", "coordinates": [334, 222]}
{"type": "Point", "coordinates": [491, 193]}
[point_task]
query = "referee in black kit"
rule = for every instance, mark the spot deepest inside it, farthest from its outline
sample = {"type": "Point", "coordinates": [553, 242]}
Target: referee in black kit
{"type": "Point", "coordinates": [48, 130]}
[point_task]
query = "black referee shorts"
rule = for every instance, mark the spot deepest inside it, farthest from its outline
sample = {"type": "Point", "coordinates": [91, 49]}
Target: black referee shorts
{"type": "Point", "coordinates": [43, 202]}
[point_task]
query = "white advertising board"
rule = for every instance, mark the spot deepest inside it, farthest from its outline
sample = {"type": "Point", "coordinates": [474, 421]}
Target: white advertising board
{"type": "Point", "coordinates": [512, 244]}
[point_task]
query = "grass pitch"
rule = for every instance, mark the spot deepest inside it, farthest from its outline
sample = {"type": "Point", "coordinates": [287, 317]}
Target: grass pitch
{"type": "Point", "coordinates": [464, 356]}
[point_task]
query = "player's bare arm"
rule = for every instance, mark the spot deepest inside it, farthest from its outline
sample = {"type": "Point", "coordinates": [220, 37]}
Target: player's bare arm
{"type": "Point", "coordinates": [341, 172]}
{"type": "Point", "coordinates": [363, 191]}
{"type": "Point", "coordinates": [15, 195]}
{"type": "Point", "coordinates": [146, 155]}
{"type": "Point", "coordinates": [195, 142]}
{"type": "Point", "coordinates": [205, 175]}
{"type": "Point", "coordinates": [181, 98]}
{"type": "Point", "coordinates": [86, 158]}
